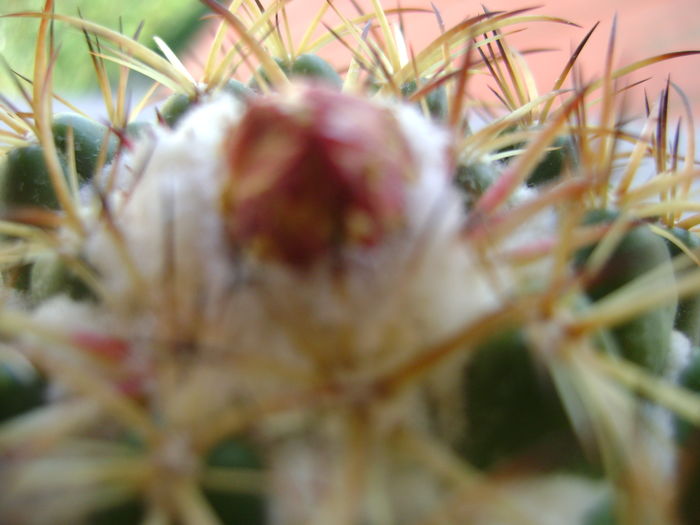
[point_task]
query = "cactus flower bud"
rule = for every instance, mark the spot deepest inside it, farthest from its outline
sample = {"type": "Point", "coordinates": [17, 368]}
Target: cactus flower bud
{"type": "Point", "coordinates": [314, 173]}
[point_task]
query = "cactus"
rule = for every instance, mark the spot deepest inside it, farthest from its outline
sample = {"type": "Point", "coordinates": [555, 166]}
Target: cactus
{"type": "Point", "coordinates": [322, 297]}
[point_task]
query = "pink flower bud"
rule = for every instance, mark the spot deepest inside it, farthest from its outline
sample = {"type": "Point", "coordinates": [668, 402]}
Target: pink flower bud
{"type": "Point", "coordinates": [313, 172]}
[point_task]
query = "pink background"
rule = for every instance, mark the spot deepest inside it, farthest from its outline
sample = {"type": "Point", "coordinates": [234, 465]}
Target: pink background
{"type": "Point", "coordinates": [645, 28]}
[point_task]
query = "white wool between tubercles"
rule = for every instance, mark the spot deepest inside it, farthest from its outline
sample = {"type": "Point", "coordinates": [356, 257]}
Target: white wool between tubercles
{"type": "Point", "coordinates": [658, 438]}
{"type": "Point", "coordinates": [679, 357]}
{"type": "Point", "coordinates": [432, 201]}
{"type": "Point", "coordinates": [170, 219]}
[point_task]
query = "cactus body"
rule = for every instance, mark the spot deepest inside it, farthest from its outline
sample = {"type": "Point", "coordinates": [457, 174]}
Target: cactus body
{"type": "Point", "coordinates": [313, 302]}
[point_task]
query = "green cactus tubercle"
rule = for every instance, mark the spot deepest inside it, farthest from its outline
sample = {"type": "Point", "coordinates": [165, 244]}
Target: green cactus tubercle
{"type": "Point", "coordinates": [24, 176]}
{"type": "Point", "coordinates": [646, 338]}
{"type": "Point", "coordinates": [50, 276]}
{"type": "Point", "coordinates": [178, 104]}
{"type": "Point", "coordinates": [25, 181]}
{"type": "Point", "coordinates": [512, 410]}
{"type": "Point", "coordinates": [306, 66]}
{"type": "Point", "coordinates": [436, 99]}
{"type": "Point", "coordinates": [687, 318]}
{"type": "Point", "coordinates": [21, 390]}
{"type": "Point", "coordinates": [560, 155]}
{"type": "Point", "coordinates": [88, 138]}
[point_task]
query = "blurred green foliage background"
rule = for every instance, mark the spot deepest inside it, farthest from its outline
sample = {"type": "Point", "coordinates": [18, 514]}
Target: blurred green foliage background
{"type": "Point", "coordinates": [175, 21]}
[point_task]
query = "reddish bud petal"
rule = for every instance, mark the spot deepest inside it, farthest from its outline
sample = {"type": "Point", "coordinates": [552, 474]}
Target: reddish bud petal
{"type": "Point", "coordinates": [106, 347]}
{"type": "Point", "coordinates": [312, 173]}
